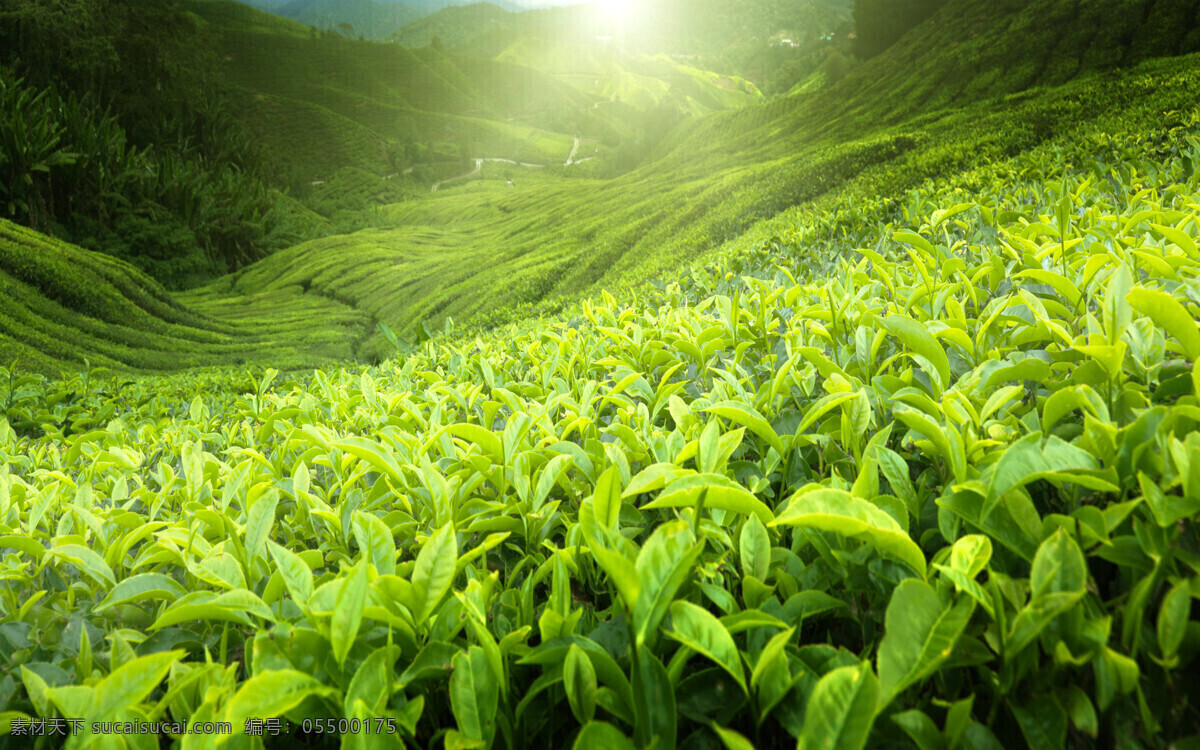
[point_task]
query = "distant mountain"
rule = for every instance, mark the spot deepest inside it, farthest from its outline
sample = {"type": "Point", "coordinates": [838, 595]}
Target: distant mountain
{"type": "Point", "coordinates": [680, 27]}
{"type": "Point", "coordinates": [773, 43]}
{"type": "Point", "coordinates": [371, 19]}
{"type": "Point", "coordinates": [457, 26]}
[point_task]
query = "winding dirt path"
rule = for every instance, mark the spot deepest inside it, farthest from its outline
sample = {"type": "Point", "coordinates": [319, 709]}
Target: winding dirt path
{"type": "Point", "coordinates": [472, 173]}
{"type": "Point", "coordinates": [571, 160]}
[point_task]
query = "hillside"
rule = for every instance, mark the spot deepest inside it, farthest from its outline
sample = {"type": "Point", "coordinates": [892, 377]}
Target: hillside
{"type": "Point", "coordinates": [370, 19]}
{"type": "Point", "coordinates": [64, 306]}
{"type": "Point", "coordinates": [456, 26]}
{"type": "Point", "coordinates": [927, 75]}
{"type": "Point", "coordinates": [730, 170]}
{"type": "Point", "coordinates": [318, 103]}
{"type": "Point", "coordinates": [422, 261]}
{"type": "Point", "coordinates": [682, 27]}
{"type": "Point", "coordinates": [919, 427]}
{"type": "Point", "coordinates": [833, 421]}
{"type": "Point", "coordinates": [486, 252]}
{"type": "Point", "coordinates": [739, 39]}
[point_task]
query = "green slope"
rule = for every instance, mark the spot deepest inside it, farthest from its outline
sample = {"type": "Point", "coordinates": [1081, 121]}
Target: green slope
{"type": "Point", "coordinates": [483, 250]}
{"type": "Point", "coordinates": [974, 49]}
{"type": "Point", "coordinates": [478, 251]}
{"type": "Point", "coordinates": [64, 305]}
{"type": "Point", "coordinates": [885, 467]}
{"type": "Point", "coordinates": [641, 82]}
{"type": "Point", "coordinates": [374, 106]}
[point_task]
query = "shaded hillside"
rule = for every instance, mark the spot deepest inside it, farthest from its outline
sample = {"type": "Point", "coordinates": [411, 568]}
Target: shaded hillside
{"type": "Point", "coordinates": [117, 132]}
{"type": "Point", "coordinates": [972, 49]}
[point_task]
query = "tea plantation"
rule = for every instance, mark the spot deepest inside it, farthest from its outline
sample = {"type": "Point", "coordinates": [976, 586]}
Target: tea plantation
{"type": "Point", "coordinates": [910, 460]}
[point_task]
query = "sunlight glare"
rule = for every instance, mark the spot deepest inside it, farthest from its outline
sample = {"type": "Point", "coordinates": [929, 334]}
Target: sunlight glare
{"type": "Point", "coordinates": [615, 10]}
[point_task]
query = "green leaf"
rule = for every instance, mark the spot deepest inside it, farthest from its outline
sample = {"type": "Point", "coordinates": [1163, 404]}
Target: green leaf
{"type": "Point", "coordinates": [731, 739]}
{"type": "Point", "coordinates": [755, 547]}
{"type": "Point", "coordinates": [1028, 460]}
{"type": "Point", "coordinates": [772, 678]}
{"type": "Point", "coordinates": [129, 685]}
{"type": "Point", "coordinates": [1058, 581]}
{"type": "Point", "coordinates": [920, 729]}
{"type": "Point", "coordinates": [375, 540]}
{"type": "Point", "coordinates": [821, 407]}
{"type": "Point", "coordinates": [841, 710]}
{"type": "Point", "coordinates": [840, 512]}
{"type": "Point", "coordinates": [654, 704]}
{"type": "Point", "coordinates": [348, 612]}
{"type": "Point", "coordinates": [663, 564]}
{"type": "Point", "coordinates": [259, 520]}
{"type": "Point", "coordinates": [720, 493]}
{"type": "Point", "coordinates": [1168, 314]}
{"type": "Point", "coordinates": [600, 735]}
{"type": "Point", "coordinates": [1116, 313]}
{"type": "Point", "coordinates": [1061, 402]}
{"type": "Point", "coordinates": [917, 338]}
{"type": "Point", "coordinates": [296, 575]}
{"type": "Point", "coordinates": [486, 440]}
{"type": "Point", "coordinates": [1116, 674]}
{"type": "Point", "coordinates": [474, 694]}
{"type": "Point", "coordinates": [579, 679]}
{"type": "Point", "coordinates": [434, 571]}
{"type": "Point", "coordinates": [1079, 707]}
{"type": "Point", "coordinates": [372, 682]}
{"type": "Point", "coordinates": [88, 562]}
{"type": "Point", "coordinates": [376, 455]}
{"type": "Point", "coordinates": [231, 606]}
{"type": "Point", "coordinates": [271, 694]}
{"type": "Point", "coordinates": [1060, 283]}
{"type": "Point", "coordinates": [971, 554]}
{"type": "Point", "coordinates": [606, 499]}
{"type": "Point", "coordinates": [700, 631]}
{"type": "Point", "coordinates": [1043, 723]}
{"type": "Point", "coordinates": [919, 635]}
{"type": "Point", "coordinates": [1058, 566]}
{"type": "Point", "coordinates": [141, 587]}
{"type": "Point", "coordinates": [432, 662]}
{"type": "Point", "coordinates": [750, 419]}
{"type": "Point", "coordinates": [1173, 619]}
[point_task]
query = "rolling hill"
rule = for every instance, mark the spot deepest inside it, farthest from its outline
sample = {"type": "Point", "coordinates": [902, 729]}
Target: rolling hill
{"type": "Point", "coordinates": [318, 103]}
{"type": "Point", "coordinates": [483, 253]}
{"type": "Point", "coordinates": [64, 306]}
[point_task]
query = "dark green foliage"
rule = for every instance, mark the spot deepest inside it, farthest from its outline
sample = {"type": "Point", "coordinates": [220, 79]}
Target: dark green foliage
{"type": "Point", "coordinates": [117, 134]}
{"type": "Point", "coordinates": [879, 23]}
{"type": "Point", "coordinates": [31, 146]}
